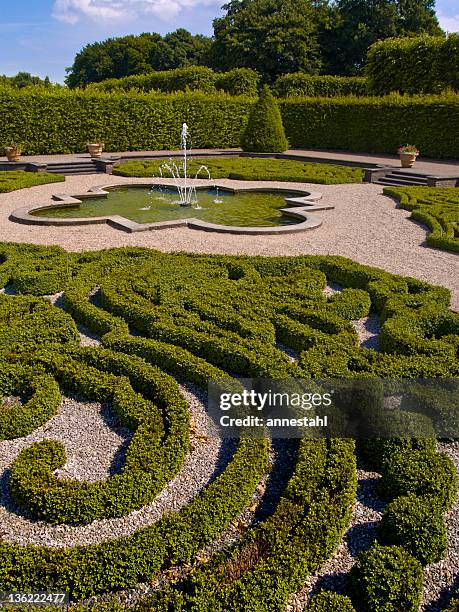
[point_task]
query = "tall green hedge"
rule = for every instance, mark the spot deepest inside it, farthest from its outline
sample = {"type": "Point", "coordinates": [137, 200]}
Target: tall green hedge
{"type": "Point", "coordinates": [423, 64]}
{"type": "Point", "coordinates": [236, 82]}
{"type": "Point", "coordinates": [327, 86]}
{"type": "Point", "coordinates": [62, 121]}
{"type": "Point", "coordinates": [374, 124]}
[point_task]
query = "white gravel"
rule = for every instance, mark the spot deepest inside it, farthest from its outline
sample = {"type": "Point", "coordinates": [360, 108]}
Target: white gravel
{"type": "Point", "coordinates": [368, 329]}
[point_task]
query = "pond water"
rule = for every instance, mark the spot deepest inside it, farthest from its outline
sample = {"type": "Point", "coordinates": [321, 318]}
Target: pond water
{"type": "Point", "coordinates": [143, 205]}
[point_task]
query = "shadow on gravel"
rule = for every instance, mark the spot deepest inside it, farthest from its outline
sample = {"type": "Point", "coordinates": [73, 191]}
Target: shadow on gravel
{"type": "Point", "coordinates": [444, 599]}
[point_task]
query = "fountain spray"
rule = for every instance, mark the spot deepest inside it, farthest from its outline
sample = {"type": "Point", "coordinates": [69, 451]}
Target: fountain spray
{"type": "Point", "coordinates": [179, 172]}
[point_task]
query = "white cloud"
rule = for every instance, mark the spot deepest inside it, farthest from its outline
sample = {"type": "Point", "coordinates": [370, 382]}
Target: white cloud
{"type": "Point", "coordinates": [450, 23]}
{"type": "Point", "coordinates": [71, 11]}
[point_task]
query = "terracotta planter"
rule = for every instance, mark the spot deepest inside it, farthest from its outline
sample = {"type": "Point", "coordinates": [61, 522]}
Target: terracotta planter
{"type": "Point", "coordinates": [95, 149]}
{"type": "Point", "coordinates": [407, 159]}
{"type": "Point", "coordinates": [13, 154]}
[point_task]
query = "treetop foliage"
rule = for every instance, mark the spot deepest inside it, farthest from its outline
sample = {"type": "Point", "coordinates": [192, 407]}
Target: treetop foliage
{"type": "Point", "coordinates": [273, 37]}
{"type": "Point", "coordinates": [24, 79]}
{"type": "Point", "coordinates": [127, 55]}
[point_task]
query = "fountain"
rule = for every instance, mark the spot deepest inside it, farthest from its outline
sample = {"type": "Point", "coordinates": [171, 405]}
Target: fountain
{"type": "Point", "coordinates": [179, 172]}
{"type": "Point", "coordinates": [223, 209]}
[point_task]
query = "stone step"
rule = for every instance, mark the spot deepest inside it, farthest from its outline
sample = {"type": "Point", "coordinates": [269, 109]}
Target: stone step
{"type": "Point", "coordinates": [398, 182]}
{"type": "Point", "coordinates": [415, 180]}
{"type": "Point", "coordinates": [70, 168]}
{"type": "Point", "coordinates": [73, 172]}
{"type": "Point", "coordinates": [394, 183]}
{"type": "Point", "coordinates": [409, 172]}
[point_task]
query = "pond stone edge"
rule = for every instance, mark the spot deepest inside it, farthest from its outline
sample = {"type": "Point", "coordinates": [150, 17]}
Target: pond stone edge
{"type": "Point", "coordinates": [300, 207]}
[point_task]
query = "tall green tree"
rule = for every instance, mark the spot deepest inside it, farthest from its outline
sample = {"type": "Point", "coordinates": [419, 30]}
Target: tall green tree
{"type": "Point", "coordinates": [119, 57]}
{"type": "Point", "coordinates": [271, 36]}
{"type": "Point", "coordinates": [24, 79]}
{"type": "Point", "coordinates": [354, 25]}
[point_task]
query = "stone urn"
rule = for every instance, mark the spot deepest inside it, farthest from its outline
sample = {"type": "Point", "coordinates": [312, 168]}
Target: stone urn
{"type": "Point", "coordinates": [95, 148]}
{"type": "Point", "coordinates": [13, 153]}
{"type": "Point", "coordinates": [407, 159]}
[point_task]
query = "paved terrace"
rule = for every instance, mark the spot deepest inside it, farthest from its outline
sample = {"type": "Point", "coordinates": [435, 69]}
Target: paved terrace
{"type": "Point", "coordinates": [425, 165]}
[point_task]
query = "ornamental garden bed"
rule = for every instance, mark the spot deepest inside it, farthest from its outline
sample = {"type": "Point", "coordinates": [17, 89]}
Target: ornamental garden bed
{"type": "Point", "coordinates": [19, 179]}
{"type": "Point", "coordinates": [252, 169]}
{"type": "Point", "coordinates": [236, 317]}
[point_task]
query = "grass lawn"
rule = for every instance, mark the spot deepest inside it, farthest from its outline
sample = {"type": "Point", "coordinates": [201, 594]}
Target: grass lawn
{"type": "Point", "coordinates": [18, 179]}
{"type": "Point", "coordinates": [436, 208]}
{"type": "Point", "coordinates": [253, 169]}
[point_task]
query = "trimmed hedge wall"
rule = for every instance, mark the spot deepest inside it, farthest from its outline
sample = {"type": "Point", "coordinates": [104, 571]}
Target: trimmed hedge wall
{"type": "Point", "coordinates": [237, 82]}
{"type": "Point", "coordinates": [328, 86]}
{"type": "Point", "coordinates": [374, 125]}
{"type": "Point", "coordinates": [413, 65]}
{"type": "Point", "coordinates": [63, 121]}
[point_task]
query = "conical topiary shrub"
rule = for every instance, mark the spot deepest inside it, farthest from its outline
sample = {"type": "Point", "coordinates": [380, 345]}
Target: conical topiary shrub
{"type": "Point", "coordinates": [265, 132]}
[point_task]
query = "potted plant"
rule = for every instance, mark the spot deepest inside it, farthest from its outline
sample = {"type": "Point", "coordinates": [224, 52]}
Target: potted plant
{"type": "Point", "coordinates": [13, 152]}
{"type": "Point", "coordinates": [95, 148]}
{"type": "Point", "coordinates": [408, 154]}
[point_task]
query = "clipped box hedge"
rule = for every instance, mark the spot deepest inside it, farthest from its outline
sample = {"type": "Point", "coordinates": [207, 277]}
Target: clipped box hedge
{"type": "Point", "coordinates": [417, 524]}
{"type": "Point", "coordinates": [327, 86]}
{"type": "Point", "coordinates": [226, 321]}
{"type": "Point", "coordinates": [412, 65]}
{"type": "Point", "coordinates": [18, 179]}
{"type": "Point", "coordinates": [386, 579]}
{"type": "Point", "coordinates": [330, 602]}
{"type": "Point", "coordinates": [436, 208]}
{"type": "Point", "coordinates": [236, 82]}
{"type": "Point", "coordinates": [62, 121]}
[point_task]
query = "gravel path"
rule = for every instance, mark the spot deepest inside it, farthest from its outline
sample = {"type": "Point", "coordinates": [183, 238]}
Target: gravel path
{"type": "Point", "coordinates": [365, 226]}
{"type": "Point", "coordinates": [93, 447]}
{"type": "Point", "coordinates": [442, 579]}
{"type": "Point", "coordinates": [368, 330]}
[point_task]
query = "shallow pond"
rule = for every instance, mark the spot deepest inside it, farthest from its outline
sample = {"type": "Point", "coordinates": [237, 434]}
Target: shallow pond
{"type": "Point", "coordinates": [143, 205]}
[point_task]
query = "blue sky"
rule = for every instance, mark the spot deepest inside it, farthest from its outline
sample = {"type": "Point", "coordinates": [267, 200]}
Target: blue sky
{"type": "Point", "coordinates": [42, 36]}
